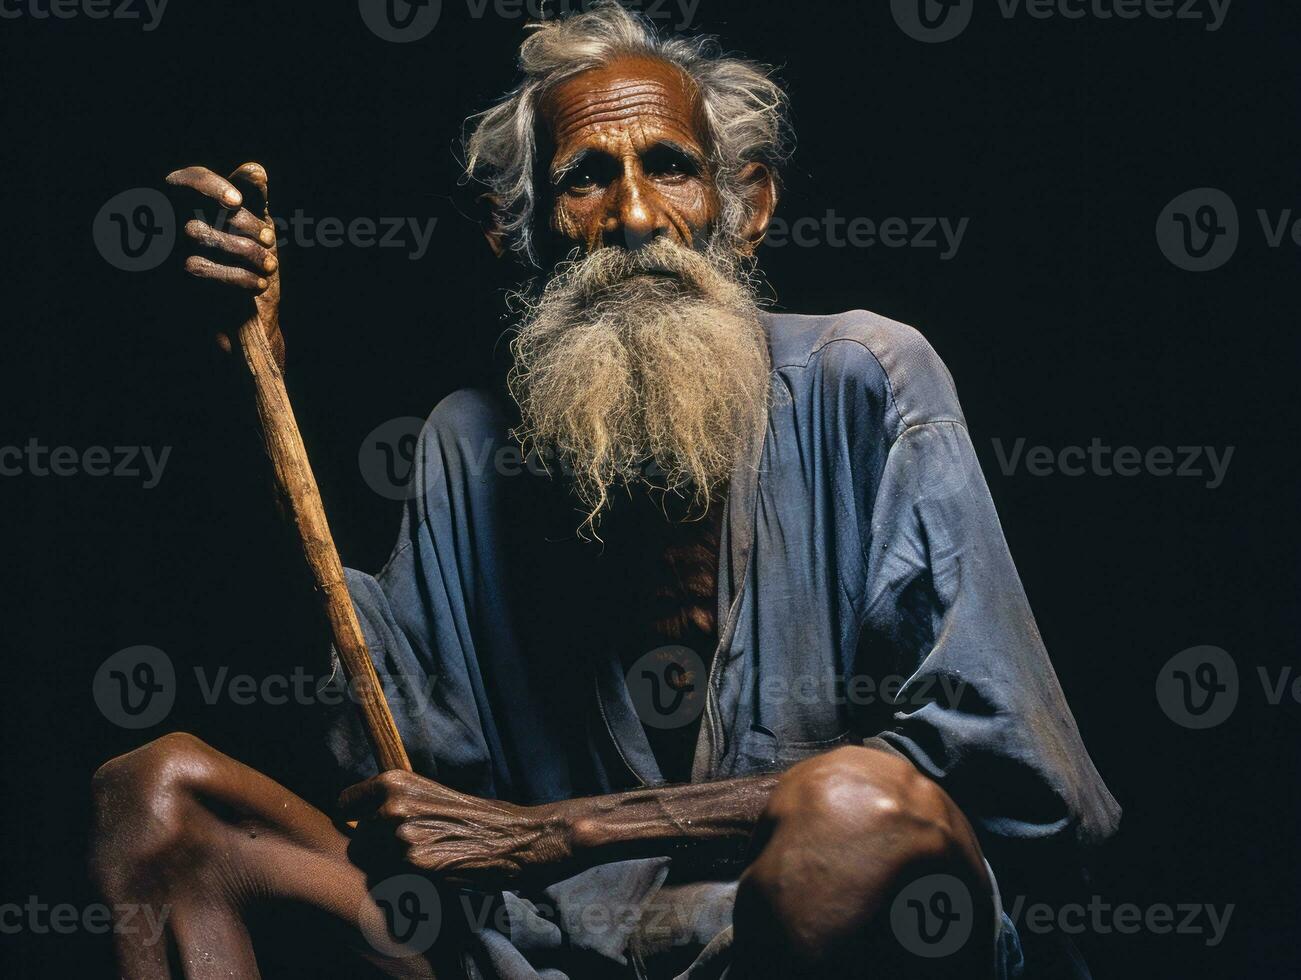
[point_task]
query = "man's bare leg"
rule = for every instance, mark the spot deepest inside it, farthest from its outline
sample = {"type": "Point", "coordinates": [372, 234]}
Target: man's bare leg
{"type": "Point", "coordinates": [201, 839]}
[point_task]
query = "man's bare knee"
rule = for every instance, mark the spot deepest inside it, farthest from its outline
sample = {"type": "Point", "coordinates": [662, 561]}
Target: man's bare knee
{"type": "Point", "coordinates": [841, 833]}
{"type": "Point", "coordinates": [144, 804]}
{"type": "Point", "coordinates": [860, 792]}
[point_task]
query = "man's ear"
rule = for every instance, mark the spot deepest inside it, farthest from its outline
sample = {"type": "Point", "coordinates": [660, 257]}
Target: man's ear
{"type": "Point", "coordinates": [490, 223]}
{"type": "Point", "coordinates": [759, 188]}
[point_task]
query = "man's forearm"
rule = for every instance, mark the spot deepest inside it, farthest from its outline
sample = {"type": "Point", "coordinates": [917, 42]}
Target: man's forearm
{"type": "Point", "coordinates": [701, 824]}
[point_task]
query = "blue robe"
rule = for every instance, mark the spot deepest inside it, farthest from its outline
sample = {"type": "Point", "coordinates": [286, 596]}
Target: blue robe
{"type": "Point", "coordinates": [859, 544]}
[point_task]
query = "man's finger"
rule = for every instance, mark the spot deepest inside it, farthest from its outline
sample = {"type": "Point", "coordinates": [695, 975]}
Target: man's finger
{"type": "Point", "coordinates": [258, 258]}
{"type": "Point", "coordinates": [361, 799]}
{"type": "Point", "coordinates": [244, 222]}
{"type": "Point", "coordinates": [202, 268]}
{"type": "Point", "coordinates": [208, 183]}
{"type": "Point", "coordinates": [253, 176]}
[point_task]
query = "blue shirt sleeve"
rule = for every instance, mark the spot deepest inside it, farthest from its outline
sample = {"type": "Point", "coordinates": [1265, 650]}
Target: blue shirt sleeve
{"type": "Point", "coordinates": [982, 712]}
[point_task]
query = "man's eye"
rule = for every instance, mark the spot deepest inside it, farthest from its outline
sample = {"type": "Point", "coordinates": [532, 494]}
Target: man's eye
{"type": "Point", "coordinates": [665, 162]}
{"type": "Point", "coordinates": [576, 181]}
{"type": "Point", "coordinates": [588, 174]}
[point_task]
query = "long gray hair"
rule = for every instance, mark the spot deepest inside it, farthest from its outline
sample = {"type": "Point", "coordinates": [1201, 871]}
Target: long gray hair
{"type": "Point", "coordinates": [745, 110]}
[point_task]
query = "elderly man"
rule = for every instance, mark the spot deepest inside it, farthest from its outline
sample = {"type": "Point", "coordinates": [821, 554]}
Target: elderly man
{"type": "Point", "coordinates": [661, 745]}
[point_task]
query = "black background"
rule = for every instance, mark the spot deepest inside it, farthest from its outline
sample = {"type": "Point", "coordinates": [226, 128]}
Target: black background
{"type": "Point", "coordinates": [1061, 141]}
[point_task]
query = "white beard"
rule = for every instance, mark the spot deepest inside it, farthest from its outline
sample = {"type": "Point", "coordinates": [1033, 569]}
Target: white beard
{"type": "Point", "coordinates": [647, 366]}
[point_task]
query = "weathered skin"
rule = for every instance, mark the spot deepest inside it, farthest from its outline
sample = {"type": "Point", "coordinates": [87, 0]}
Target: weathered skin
{"type": "Point", "coordinates": [827, 842]}
{"type": "Point", "coordinates": [627, 164]}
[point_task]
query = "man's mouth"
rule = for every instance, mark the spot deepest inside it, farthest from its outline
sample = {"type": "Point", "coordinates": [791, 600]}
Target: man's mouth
{"type": "Point", "coordinates": [655, 270]}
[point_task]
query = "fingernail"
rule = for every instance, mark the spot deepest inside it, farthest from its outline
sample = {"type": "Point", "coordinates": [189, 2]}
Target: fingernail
{"type": "Point", "coordinates": [232, 197]}
{"type": "Point", "coordinates": [266, 236]}
{"type": "Point", "coordinates": [262, 284]}
{"type": "Point", "coordinates": [270, 264]}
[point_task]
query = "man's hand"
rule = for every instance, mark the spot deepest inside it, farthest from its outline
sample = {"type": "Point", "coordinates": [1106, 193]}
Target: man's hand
{"type": "Point", "coordinates": [463, 838]}
{"type": "Point", "coordinates": [241, 253]}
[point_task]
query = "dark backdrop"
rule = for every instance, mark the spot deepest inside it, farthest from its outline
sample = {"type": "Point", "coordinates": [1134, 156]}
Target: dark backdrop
{"type": "Point", "coordinates": [1060, 140]}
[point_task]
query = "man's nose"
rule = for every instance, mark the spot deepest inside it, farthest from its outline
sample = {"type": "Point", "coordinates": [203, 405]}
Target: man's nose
{"type": "Point", "coordinates": [637, 219]}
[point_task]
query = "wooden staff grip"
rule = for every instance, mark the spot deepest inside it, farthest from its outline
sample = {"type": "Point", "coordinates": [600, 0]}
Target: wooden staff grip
{"type": "Point", "coordinates": [297, 483]}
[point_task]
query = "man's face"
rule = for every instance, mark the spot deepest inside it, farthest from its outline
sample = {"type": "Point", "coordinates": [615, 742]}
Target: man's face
{"type": "Point", "coordinates": [628, 158]}
{"type": "Point", "coordinates": [642, 359]}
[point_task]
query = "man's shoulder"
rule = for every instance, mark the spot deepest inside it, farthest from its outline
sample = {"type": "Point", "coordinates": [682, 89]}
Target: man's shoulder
{"type": "Point", "coordinates": [859, 349]}
{"type": "Point", "coordinates": [473, 419]}
{"type": "Point", "coordinates": [468, 408]}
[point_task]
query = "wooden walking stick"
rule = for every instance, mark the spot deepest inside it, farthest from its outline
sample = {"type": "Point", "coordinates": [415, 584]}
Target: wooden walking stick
{"type": "Point", "coordinates": [294, 477]}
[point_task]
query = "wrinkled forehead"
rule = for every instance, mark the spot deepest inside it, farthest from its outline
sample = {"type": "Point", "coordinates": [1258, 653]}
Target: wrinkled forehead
{"type": "Point", "coordinates": [635, 97]}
